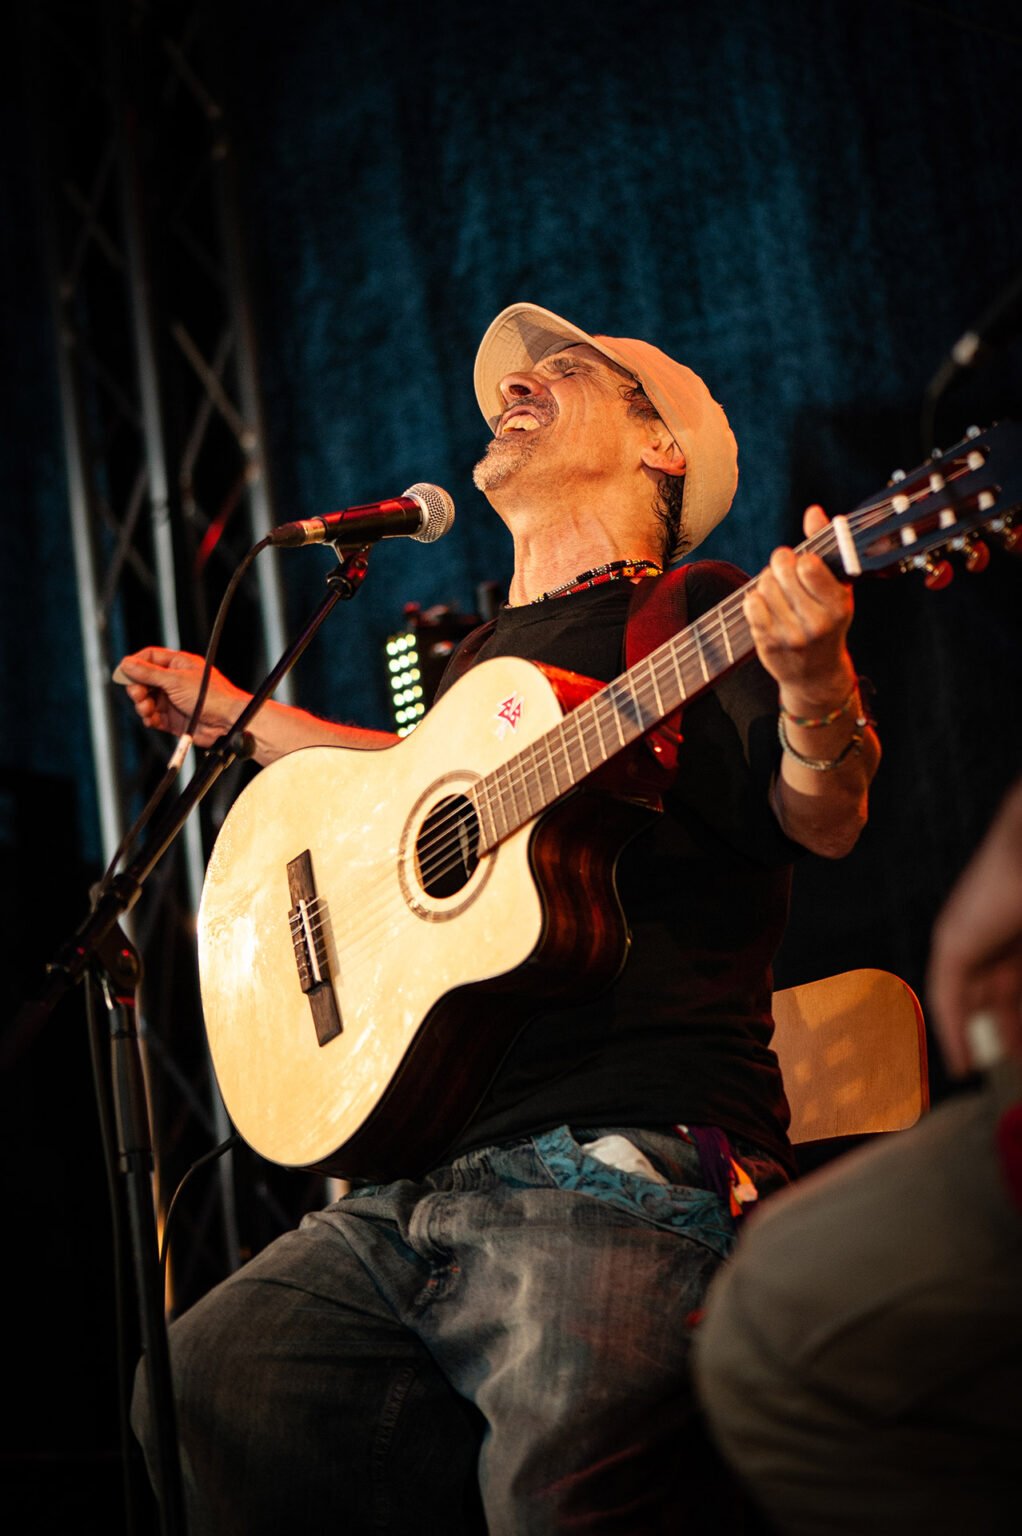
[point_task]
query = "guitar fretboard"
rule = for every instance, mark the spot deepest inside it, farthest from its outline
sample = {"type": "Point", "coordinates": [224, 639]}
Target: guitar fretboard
{"type": "Point", "coordinates": [591, 734]}
{"type": "Point", "coordinates": [973, 485]}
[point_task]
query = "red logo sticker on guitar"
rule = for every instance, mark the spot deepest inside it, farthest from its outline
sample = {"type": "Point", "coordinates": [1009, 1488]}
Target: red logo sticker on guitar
{"type": "Point", "coordinates": [510, 712]}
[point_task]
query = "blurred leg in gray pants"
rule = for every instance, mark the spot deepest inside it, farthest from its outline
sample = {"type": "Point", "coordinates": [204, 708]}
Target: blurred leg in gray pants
{"type": "Point", "coordinates": [860, 1359]}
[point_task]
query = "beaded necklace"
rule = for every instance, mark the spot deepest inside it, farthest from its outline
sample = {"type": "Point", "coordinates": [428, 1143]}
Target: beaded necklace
{"type": "Point", "coordinates": [615, 570]}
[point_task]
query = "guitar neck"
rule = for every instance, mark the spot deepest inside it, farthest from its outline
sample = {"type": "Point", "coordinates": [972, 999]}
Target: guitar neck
{"type": "Point", "coordinates": [938, 507]}
{"type": "Point", "coordinates": [676, 672]}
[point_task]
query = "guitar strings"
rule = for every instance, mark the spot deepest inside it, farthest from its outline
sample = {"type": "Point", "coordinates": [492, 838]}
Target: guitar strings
{"type": "Point", "coordinates": [526, 769]}
{"type": "Point", "coordinates": [434, 854]}
{"type": "Point", "coordinates": [672, 657]}
{"type": "Point", "coordinates": [307, 925]}
{"type": "Point", "coordinates": [519, 771]}
{"type": "Point", "coordinates": [442, 851]}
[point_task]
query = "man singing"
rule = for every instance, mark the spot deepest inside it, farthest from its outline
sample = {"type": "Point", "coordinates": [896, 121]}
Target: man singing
{"type": "Point", "coordinates": [501, 1343]}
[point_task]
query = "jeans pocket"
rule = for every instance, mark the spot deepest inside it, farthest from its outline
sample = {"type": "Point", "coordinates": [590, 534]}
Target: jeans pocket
{"type": "Point", "coordinates": [697, 1213]}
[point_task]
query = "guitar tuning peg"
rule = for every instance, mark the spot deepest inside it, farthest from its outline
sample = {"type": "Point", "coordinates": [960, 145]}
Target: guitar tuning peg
{"type": "Point", "coordinates": [1011, 539]}
{"type": "Point", "coordinates": [939, 573]}
{"type": "Point", "coordinates": [977, 556]}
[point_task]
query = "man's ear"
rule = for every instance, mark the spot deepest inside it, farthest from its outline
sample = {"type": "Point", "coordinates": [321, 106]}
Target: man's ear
{"type": "Point", "coordinates": [662, 452]}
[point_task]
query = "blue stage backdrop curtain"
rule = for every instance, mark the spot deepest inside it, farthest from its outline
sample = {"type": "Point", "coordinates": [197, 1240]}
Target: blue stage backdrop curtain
{"type": "Point", "coordinates": [807, 202]}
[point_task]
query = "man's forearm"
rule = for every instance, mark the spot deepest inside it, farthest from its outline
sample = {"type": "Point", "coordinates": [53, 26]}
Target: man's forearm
{"type": "Point", "coordinates": [281, 728]}
{"type": "Point", "coordinates": [830, 754]}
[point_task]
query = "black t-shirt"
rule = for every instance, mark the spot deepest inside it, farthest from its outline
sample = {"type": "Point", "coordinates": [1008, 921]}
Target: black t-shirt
{"type": "Point", "coordinates": [684, 1033]}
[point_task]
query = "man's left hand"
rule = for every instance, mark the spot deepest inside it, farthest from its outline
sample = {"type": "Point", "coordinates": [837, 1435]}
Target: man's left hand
{"type": "Point", "coordinates": [799, 613]}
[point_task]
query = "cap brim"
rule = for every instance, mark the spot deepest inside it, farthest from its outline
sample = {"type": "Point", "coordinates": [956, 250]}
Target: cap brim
{"type": "Point", "coordinates": [520, 337]}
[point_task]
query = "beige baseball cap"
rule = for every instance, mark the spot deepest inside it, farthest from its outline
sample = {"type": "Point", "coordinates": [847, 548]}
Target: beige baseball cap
{"type": "Point", "coordinates": [523, 334]}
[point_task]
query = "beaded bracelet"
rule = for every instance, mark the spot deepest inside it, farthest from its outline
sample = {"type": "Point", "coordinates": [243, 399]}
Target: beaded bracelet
{"type": "Point", "coordinates": [823, 764]}
{"type": "Point", "coordinates": [811, 722]}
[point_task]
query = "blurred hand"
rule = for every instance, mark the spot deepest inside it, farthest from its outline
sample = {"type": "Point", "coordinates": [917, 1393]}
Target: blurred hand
{"type": "Point", "coordinates": [976, 954]}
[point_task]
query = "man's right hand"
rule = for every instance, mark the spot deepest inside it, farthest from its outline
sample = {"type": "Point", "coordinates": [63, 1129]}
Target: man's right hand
{"type": "Point", "coordinates": [164, 685]}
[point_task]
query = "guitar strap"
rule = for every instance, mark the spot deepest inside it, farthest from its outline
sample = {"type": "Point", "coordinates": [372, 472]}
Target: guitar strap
{"type": "Point", "coordinates": [658, 610]}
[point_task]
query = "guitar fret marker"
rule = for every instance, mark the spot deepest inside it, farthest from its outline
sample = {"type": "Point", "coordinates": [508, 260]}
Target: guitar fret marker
{"type": "Point", "coordinates": [727, 638]}
{"type": "Point", "coordinates": [699, 647]}
{"type": "Point", "coordinates": [676, 663]}
{"type": "Point", "coordinates": [661, 711]}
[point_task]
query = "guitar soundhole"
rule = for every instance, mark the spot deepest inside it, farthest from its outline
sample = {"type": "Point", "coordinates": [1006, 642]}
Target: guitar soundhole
{"type": "Point", "coordinates": [447, 847]}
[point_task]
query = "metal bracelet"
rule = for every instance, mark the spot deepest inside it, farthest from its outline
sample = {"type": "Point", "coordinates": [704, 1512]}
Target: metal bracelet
{"type": "Point", "coordinates": [822, 764]}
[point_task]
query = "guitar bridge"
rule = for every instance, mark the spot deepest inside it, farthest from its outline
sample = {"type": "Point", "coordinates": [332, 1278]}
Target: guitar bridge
{"type": "Point", "coordinates": [307, 919]}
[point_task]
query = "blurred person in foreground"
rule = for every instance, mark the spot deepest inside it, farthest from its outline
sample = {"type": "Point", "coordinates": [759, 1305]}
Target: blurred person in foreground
{"type": "Point", "coordinates": [860, 1357]}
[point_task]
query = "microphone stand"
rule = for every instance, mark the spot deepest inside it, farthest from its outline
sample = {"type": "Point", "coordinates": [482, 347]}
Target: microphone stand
{"type": "Point", "coordinates": [971, 351]}
{"type": "Point", "coordinates": [100, 952]}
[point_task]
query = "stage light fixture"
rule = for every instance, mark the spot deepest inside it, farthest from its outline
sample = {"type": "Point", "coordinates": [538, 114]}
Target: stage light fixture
{"type": "Point", "coordinates": [415, 657]}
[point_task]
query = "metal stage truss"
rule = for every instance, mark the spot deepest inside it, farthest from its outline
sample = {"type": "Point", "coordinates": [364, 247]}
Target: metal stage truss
{"type": "Point", "coordinates": [168, 488]}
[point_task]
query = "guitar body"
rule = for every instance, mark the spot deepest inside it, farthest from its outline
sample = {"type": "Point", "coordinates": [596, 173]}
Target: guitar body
{"type": "Point", "coordinates": [429, 966]}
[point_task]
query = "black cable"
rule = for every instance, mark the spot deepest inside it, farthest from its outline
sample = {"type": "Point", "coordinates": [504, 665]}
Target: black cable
{"type": "Point", "coordinates": [131, 837]}
{"type": "Point", "coordinates": [224, 1146]}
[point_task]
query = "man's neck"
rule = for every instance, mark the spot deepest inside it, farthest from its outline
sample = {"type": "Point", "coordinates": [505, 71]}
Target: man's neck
{"type": "Point", "coordinates": [540, 577]}
{"type": "Point", "coordinates": [552, 548]}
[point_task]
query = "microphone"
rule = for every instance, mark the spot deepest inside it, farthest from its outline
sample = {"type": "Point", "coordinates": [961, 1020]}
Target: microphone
{"type": "Point", "coordinates": [424, 512]}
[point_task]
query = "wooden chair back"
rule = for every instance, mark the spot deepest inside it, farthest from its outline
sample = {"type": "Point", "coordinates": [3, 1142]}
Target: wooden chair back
{"type": "Point", "coordinates": [852, 1050]}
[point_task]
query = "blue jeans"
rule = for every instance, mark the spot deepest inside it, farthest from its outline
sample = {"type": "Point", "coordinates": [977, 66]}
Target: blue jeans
{"type": "Point", "coordinates": [500, 1347]}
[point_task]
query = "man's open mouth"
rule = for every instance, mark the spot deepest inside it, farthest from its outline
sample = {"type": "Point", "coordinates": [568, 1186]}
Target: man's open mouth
{"type": "Point", "coordinates": [522, 419]}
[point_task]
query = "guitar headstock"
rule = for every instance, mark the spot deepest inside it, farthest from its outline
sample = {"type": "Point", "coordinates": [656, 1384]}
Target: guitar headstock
{"type": "Point", "coordinates": [940, 509]}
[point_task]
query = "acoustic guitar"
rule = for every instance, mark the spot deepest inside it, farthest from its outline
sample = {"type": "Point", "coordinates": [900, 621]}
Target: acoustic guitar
{"type": "Point", "coordinates": [375, 925]}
